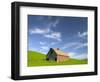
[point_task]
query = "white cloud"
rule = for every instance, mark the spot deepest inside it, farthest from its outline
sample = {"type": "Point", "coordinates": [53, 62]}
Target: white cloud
{"type": "Point", "coordinates": [74, 45]}
{"type": "Point", "coordinates": [45, 47]}
{"type": "Point", "coordinates": [48, 33]}
{"type": "Point", "coordinates": [82, 34]}
{"type": "Point", "coordinates": [33, 49]}
{"type": "Point", "coordinates": [42, 43]}
{"type": "Point", "coordinates": [54, 24]}
{"type": "Point", "coordinates": [54, 35]}
{"type": "Point", "coordinates": [49, 25]}
{"type": "Point", "coordinates": [81, 45]}
{"type": "Point", "coordinates": [71, 44]}
{"type": "Point", "coordinates": [47, 44]}
{"type": "Point", "coordinates": [42, 17]}
{"type": "Point", "coordinates": [81, 56]}
{"type": "Point", "coordinates": [78, 56]}
{"type": "Point", "coordinates": [72, 54]}
{"type": "Point", "coordinates": [43, 51]}
{"type": "Point", "coordinates": [39, 31]}
{"type": "Point", "coordinates": [53, 43]}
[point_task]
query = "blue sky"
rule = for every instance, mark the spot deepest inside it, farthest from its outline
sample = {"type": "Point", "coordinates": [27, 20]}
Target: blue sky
{"type": "Point", "coordinates": [67, 33]}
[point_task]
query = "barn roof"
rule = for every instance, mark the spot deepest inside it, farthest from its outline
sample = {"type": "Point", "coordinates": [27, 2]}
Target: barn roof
{"type": "Point", "coordinates": [59, 52]}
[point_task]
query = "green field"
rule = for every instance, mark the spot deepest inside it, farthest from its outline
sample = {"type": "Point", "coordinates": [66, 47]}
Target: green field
{"type": "Point", "coordinates": [39, 59]}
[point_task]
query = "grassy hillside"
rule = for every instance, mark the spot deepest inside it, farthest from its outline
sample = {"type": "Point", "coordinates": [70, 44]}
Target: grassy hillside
{"type": "Point", "coordinates": [38, 59]}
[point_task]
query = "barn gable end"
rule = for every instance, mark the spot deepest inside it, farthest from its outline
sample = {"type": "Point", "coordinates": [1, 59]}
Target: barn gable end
{"type": "Point", "coordinates": [51, 55]}
{"type": "Point", "coordinates": [57, 55]}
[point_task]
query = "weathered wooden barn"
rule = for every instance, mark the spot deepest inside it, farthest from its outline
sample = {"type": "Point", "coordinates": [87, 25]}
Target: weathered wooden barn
{"type": "Point", "coordinates": [57, 55]}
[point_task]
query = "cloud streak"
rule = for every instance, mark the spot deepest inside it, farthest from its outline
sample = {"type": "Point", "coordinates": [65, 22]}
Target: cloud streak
{"type": "Point", "coordinates": [74, 45]}
{"type": "Point", "coordinates": [39, 31]}
{"type": "Point", "coordinates": [47, 33]}
{"type": "Point", "coordinates": [42, 43]}
{"type": "Point", "coordinates": [54, 35]}
{"type": "Point", "coordinates": [82, 34]}
{"type": "Point", "coordinates": [71, 44]}
{"type": "Point", "coordinates": [45, 47]}
{"type": "Point", "coordinates": [81, 46]}
{"type": "Point", "coordinates": [78, 56]}
{"type": "Point", "coordinates": [54, 24]}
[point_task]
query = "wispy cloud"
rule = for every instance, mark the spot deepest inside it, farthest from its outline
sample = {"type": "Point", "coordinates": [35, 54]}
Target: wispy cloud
{"type": "Point", "coordinates": [54, 35]}
{"type": "Point", "coordinates": [39, 31]}
{"type": "Point", "coordinates": [81, 56]}
{"type": "Point", "coordinates": [78, 56]}
{"type": "Point", "coordinates": [42, 43]}
{"type": "Point", "coordinates": [48, 21]}
{"type": "Point", "coordinates": [72, 54]}
{"type": "Point", "coordinates": [33, 49]}
{"type": "Point", "coordinates": [42, 51]}
{"type": "Point", "coordinates": [74, 45]}
{"type": "Point", "coordinates": [45, 47]}
{"type": "Point", "coordinates": [82, 34]}
{"type": "Point", "coordinates": [81, 45]}
{"type": "Point", "coordinates": [47, 33]}
{"type": "Point", "coordinates": [53, 43]}
{"type": "Point", "coordinates": [71, 44]}
{"type": "Point", "coordinates": [49, 25]}
{"type": "Point", "coordinates": [40, 18]}
{"type": "Point", "coordinates": [54, 24]}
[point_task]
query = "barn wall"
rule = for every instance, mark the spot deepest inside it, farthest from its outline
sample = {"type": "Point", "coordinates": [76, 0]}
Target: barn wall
{"type": "Point", "coordinates": [51, 55]}
{"type": "Point", "coordinates": [62, 58]}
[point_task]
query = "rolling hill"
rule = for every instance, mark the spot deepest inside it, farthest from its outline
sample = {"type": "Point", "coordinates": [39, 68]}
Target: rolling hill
{"type": "Point", "coordinates": [39, 59]}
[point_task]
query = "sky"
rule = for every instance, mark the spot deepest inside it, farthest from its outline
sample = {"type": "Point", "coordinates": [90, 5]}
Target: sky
{"type": "Point", "coordinates": [67, 33]}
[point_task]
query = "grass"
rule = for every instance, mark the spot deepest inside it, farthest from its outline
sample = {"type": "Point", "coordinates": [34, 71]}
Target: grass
{"type": "Point", "coordinates": [39, 59]}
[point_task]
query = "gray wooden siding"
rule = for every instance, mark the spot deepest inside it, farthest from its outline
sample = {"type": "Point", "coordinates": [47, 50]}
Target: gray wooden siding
{"type": "Point", "coordinates": [51, 55]}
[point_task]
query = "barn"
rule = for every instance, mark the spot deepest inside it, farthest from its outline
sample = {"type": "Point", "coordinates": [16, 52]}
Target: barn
{"type": "Point", "coordinates": [57, 55]}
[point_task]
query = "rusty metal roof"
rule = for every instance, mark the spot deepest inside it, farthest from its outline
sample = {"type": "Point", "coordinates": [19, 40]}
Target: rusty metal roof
{"type": "Point", "coordinates": [59, 52]}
